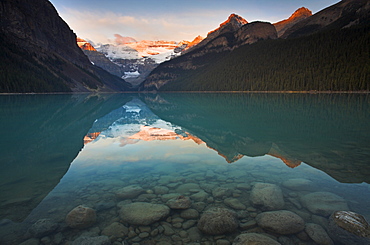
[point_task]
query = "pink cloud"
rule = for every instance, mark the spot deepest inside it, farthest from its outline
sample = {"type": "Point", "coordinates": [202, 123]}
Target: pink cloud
{"type": "Point", "coordinates": [123, 40]}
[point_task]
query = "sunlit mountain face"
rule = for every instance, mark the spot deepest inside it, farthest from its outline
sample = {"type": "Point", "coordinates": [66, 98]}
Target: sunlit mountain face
{"type": "Point", "coordinates": [134, 60]}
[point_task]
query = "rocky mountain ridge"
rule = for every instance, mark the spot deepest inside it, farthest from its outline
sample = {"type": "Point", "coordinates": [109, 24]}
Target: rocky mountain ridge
{"type": "Point", "coordinates": [344, 14]}
{"type": "Point", "coordinates": [84, 45]}
{"type": "Point", "coordinates": [231, 34]}
{"type": "Point", "coordinates": [99, 59]}
{"type": "Point", "coordinates": [232, 24]}
{"type": "Point", "coordinates": [299, 15]}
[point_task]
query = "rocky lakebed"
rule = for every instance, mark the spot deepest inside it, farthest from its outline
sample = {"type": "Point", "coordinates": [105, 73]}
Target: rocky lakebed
{"type": "Point", "coordinates": [222, 205]}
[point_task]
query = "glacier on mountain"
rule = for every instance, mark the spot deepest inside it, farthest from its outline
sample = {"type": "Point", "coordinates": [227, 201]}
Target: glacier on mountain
{"type": "Point", "coordinates": [159, 51]}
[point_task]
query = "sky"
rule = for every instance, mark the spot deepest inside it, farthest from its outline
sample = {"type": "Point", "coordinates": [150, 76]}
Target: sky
{"type": "Point", "coordinates": [99, 21]}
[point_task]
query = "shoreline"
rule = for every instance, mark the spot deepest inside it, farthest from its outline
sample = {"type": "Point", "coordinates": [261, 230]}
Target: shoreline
{"type": "Point", "coordinates": [236, 92]}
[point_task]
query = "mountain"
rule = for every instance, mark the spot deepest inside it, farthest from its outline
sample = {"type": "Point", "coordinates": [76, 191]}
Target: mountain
{"type": "Point", "coordinates": [308, 56]}
{"type": "Point", "coordinates": [84, 45]}
{"type": "Point", "coordinates": [99, 59]}
{"type": "Point", "coordinates": [134, 60]}
{"type": "Point", "coordinates": [231, 34]}
{"type": "Point", "coordinates": [299, 15]}
{"type": "Point", "coordinates": [344, 14]}
{"type": "Point", "coordinates": [39, 53]}
{"type": "Point", "coordinates": [218, 36]}
{"type": "Point", "coordinates": [185, 45]}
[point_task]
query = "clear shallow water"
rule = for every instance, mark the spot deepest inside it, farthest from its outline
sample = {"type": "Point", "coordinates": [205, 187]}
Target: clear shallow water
{"type": "Point", "coordinates": [61, 151]}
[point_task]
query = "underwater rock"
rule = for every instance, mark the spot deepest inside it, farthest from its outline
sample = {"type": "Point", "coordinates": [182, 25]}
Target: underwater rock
{"type": "Point", "coordinates": [142, 213]}
{"type": "Point", "coordinates": [97, 240]}
{"type": "Point", "coordinates": [217, 221]}
{"type": "Point", "coordinates": [189, 223]}
{"type": "Point", "coordinates": [243, 186]}
{"type": "Point", "coordinates": [194, 234]}
{"type": "Point", "coordinates": [180, 202]}
{"type": "Point", "coordinates": [199, 196]}
{"type": "Point", "coordinates": [222, 242]}
{"type": "Point", "coordinates": [43, 227]}
{"type": "Point", "coordinates": [169, 196]}
{"type": "Point", "coordinates": [349, 228]}
{"type": "Point", "coordinates": [323, 203]}
{"type": "Point", "coordinates": [100, 206]}
{"type": "Point", "coordinates": [299, 184]}
{"type": "Point", "coordinates": [248, 225]}
{"type": "Point", "coordinates": [160, 190]}
{"type": "Point", "coordinates": [31, 241]}
{"type": "Point", "coordinates": [208, 187]}
{"type": "Point", "coordinates": [189, 214]}
{"type": "Point", "coordinates": [185, 188]}
{"type": "Point", "coordinates": [115, 230]}
{"type": "Point", "coordinates": [234, 203]}
{"type": "Point", "coordinates": [221, 192]}
{"type": "Point", "coordinates": [255, 239]}
{"type": "Point", "coordinates": [282, 222]}
{"type": "Point", "coordinates": [318, 234]}
{"type": "Point", "coordinates": [267, 196]}
{"type": "Point", "coordinates": [167, 229]}
{"type": "Point", "coordinates": [81, 217]}
{"type": "Point", "coordinates": [210, 174]}
{"type": "Point", "coordinates": [130, 191]}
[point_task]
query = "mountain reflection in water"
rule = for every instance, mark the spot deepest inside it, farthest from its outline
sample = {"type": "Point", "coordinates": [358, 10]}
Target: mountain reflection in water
{"type": "Point", "coordinates": [327, 131]}
{"type": "Point", "coordinates": [168, 141]}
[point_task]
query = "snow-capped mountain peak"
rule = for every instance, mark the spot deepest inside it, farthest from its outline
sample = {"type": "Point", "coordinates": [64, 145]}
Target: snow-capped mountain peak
{"type": "Point", "coordinates": [159, 51]}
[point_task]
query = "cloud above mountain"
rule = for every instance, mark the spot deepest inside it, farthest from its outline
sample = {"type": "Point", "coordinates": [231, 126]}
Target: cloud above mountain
{"type": "Point", "coordinates": [101, 26]}
{"type": "Point", "coordinates": [123, 40]}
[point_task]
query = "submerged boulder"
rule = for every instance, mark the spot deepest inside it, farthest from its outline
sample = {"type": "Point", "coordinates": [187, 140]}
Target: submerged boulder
{"type": "Point", "coordinates": [185, 188]}
{"type": "Point", "coordinates": [115, 230]}
{"type": "Point", "coordinates": [255, 239]}
{"type": "Point", "coordinates": [221, 192]}
{"type": "Point", "coordinates": [281, 222]}
{"type": "Point", "coordinates": [323, 203]}
{"type": "Point", "coordinates": [299, 184]}
{"type": "Point", "coordinates": [130, 191]}
{"type": "Point", "coordinates": [180, 202]}
{"type": "Point", "coordinates": [97, 240]}
{"type": "Point", "coordinates": [267, 196]}
{"type": "Point", "coordinates": [81, 217]}
{"type": "Point", "coordinates": [234, 203]}
{"type": "Point", "coordinates": [142, 213]}
{"type": "Point", "coordinates": [217, 221]}
{"type": "Point", "coordinates": [318, 234]}
{"type": "Point", "coordinates": [43, 227]}
{"type": "Point", "coordinates": [349, 228]}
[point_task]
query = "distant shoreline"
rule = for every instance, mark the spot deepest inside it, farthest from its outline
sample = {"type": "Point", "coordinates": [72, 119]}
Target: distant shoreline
{"type": "Point", "coordinates": [236, 92]}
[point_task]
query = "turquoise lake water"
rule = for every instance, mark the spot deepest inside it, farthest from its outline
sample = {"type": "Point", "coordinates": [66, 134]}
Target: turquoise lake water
{"type": "Point", "coordinates": [111, 150]}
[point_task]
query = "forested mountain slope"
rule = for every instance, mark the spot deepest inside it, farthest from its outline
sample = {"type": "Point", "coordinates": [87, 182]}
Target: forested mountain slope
{"type": "Point", "coordinates": [329, 61]}
{"type": "Point", "coordinates": [333, 56]}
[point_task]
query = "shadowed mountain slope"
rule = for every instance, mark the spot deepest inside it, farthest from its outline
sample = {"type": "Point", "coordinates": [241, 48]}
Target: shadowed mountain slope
{"type": "Point", "coordinates": [40, 54]}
